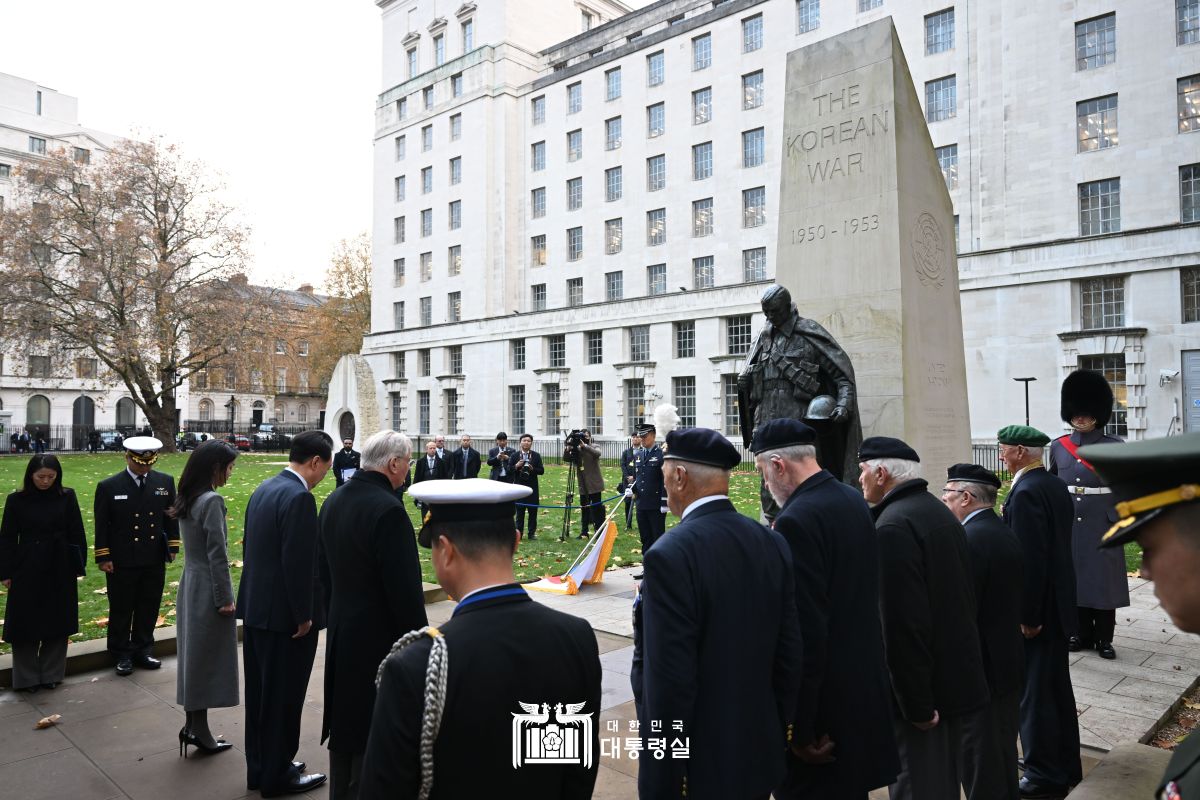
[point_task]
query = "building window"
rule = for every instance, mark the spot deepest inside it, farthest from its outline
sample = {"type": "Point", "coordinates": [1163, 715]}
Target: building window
{"type": "Point", "coordinates": [867, 5]}
{"type": "Point", "coordinates": [454, 359]}
{"type": "Point", "coordinates": [455, 212]}
{"type": "Point", "coordinates": [614, 285]}
{"type": "Point", "coordinates": [412, 62]}
{"type": "Point", "coordinates": [398, 364]}
{"type": "Point", "coordinates": [729, 404]}
{"type": "Point", "coordinates": [683, 391]}
{"type": "Point", "coordinates": [656, 279]}
{"type": "Point", "coordinates": [703, 272]}
{"type": "Point", "coordinates": [400, 187]}
{"type": "Point", "coordinates": [702, 52]}
{"type": "Point", "coordinates": [948, 160]}
{"type": "Point", "coordinates": [754, 207]}
{"type": "Point", "coordinates": [685, 339]}
{"type": "Point", "coordinates": [593, 407]}
{"type": "Point", "coordinates": [575, 145]}
{"type": "Point", "coordinates": [280, 347]}
{"type": "Point", "coordinates": [426, 267]}
{"type": "Point", "coordinates": [656, 227]}
{"type": "Point", "coordinates": [86, 368]}
{"type": "Point", "coordinates": [1187, 21]}
{"type": "Point", "coordinates": [81, 155]}
{"type": "Point", "coordinates": [427, 97]}
{"type": "Point", "coordinates": [453, 306]}
{"type": "Point", "coordinates": [738, 335]}
{"type": "Point", "coordinates": [426, 180]}
{"type": "Point", "coordinates": [518, 354]}
{"type": "Point", "coordinates": [538, 296]}
{"type": "Point", "coordinates": [1100, 207]}
{"type": "Point", "coordinates": [587, 21]}
{"type": "Point", "coordinates": [1096, 42]}
{"type": "Point", "coordinates": [37, 145]}
{"type": "Point", "coordinates": [702, 105]}
{"type": "Point", "coordinates": [752, 90]}
{"type": "Point", "coordinates": [1190, 293]}
{"type": "Point", "coordinates": [612, 83]}
{"type": "Point", "coordinates": [754, 264]}
{"type": "Point", "coordinates": [701, 161]}
{"type": "Point", "coordinates": [537, 202]}
{"type": "Point", "coordinates": [537, 156]}
{"type": "Point", "coordinates": [1096, 123]}
{"type": "Point", "coordinates": [594, 347]}
{"type": "Point", "coordinates": [426, 222]}
{"type": "Point", "coordinates": [656, 173]}
{"type": "Point", "coordinates": [426, 138]}
{"type": "Point", "coordinates": [206, 410]}
{"type": "Point", "coordinates": [1189, 103]}
{"type": "Point", "coordinates": [939, 32]}
{"type": "Point", "coordinates": [574, 98]}
{"type": "Point", "coordinates": [516, 407]}
{"type": "Point", "coordinates": [639, 343]}
{"type": "Point", "coordinates": [1189, 193]}
{"type": "Point", "coordinates": [423, 411]}
{"type": "Point", "coordinates": [808, 15]}
{"type": "Point", "coordinates": [456, 85]}
{"type": "Point", "coordinates": [468, 40]}
{"type": "Point", "coordinates": [1112, 367]}
{"type": "Point", "coordinates": [574, 292]}
{"type": "Point", "coordinates": [612, 133]}
{"type": "Point", "coordinates": [654, 69]}
{"type": "Point", "coordinates": [426, 311]}
{"type": "Point", "coordinates": [456, 170]}
{"type": "Point", "coordinates": [614, 235]}
{"type": "Point", "coordinates": [398, 230]}
{"type": "Point", "coordinates": [281, 380]}
{"type": "Point", "coordinates": [656, 120]}
{"type": "Point", "coordinates": [752, 33]}
{"type": "Point", "coordinates": [200, 379]}
{"type": "Point", "coordinates": [574, 194]}
{"type": "Point", "coordinates": [537, 114]}
{"type": "Point", "coordinates": [402, 109]}
{"type": "Point", "coordinates": [400, 148]}
{"type": "Point", "coordinates": [450, 400]}
{"type": "Point", "coordinates": [552, 394]}
{"type": "Point", "coordinates": [574, 244]}
{"type": "Point", "coordinates": [754, 150]}
{"type": "Point", "coordinates": [702, 217]}
{"type": "Point", "coordinates": [612, 184]}
{"type": "Point", "coordinates": [537, 250]}
{"type": "Point", "coordinates": [941, 99]}
{"type": "Point", "coordinates": [635, 401]}
{"type": "Point", "coordinates": [1102, 303]}
{"type": "Point", "coordinates": [424, 363]}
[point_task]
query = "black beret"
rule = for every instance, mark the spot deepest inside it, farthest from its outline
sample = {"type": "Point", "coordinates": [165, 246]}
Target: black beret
{"type": "Point", "coordinates": [781, 432]}
{"type": "Point", "coordinates": [885, 447]}
{"type": "Point", "coordinates": [702, 446]}
{"type": "Point", "coordinates": [973, 473]}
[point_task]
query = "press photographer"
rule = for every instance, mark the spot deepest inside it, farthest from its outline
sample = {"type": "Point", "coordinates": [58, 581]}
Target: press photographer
{"type": "Point", "coordinates": [528, 466]}
{"type": "Point", "coordinates": [586, 458]}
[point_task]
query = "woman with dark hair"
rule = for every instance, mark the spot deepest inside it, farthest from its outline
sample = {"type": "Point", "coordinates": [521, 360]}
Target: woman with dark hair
{"type": "Point", "coordinates": [42, 548]}
{"type": "Point", "coordinates": [207, 630]}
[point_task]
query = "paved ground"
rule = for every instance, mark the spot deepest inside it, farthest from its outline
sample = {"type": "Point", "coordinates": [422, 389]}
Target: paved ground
{"type": "Point", "coordinates": [117, 736]}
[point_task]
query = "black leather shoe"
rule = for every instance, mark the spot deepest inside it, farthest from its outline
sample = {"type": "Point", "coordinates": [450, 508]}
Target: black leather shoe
{"type": "Point", "coordinates": [1029, 789]}
{"type": "Point", "coordinates": [1073, 644]}
{"type": "Point", "coordinates": [124, 667]}
{"type": "Point", "coordinates": [637, 576]}
{"type": "Point", "coordinates": [1105, 649]}
{"type": "Point", "coordinates": [299, 784]}
{"type": "Point", "coordinates": [300, 766]}
{"type": "Point", "coordinates": [147, 662]}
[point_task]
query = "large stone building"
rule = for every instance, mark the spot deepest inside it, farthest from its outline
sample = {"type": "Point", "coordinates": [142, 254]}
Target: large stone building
{"type": "Point", "coordinates": [575, 203]}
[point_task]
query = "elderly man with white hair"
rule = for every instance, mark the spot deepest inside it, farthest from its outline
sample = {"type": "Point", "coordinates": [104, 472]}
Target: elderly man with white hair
{"type": "Point", "coordinates": [369, 566]}
{"type": "Point", "coordinates": [927, 605]}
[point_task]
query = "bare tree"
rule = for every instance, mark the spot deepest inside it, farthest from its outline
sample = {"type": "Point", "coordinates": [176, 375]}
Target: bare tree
{"type": "Point", "coordinates": [125, 259]}
{"type": "Point", "coordinates": [346, 315]}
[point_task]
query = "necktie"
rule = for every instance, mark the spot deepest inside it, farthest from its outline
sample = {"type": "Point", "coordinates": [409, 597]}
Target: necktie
{"type": "Point", "coordinates": [466, 454]}
{"type": "Point", "coordinates": [141, 482]}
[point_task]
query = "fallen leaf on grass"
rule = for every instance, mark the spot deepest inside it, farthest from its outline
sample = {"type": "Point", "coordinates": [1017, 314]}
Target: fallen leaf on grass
{"type": "Point", "coordinates": [100, 622]}
{"type": "Point", "coordinates": [161, 621]}
{"type": "Point", "coordinates": [101, 590]}
{"type": "Point", "coordinates": [174, 584]}
{"type": "Point", "coordinates": [236, 564]}
{"type": "Point", "coordinates": [94, 680]}
{"type": "Point", "coordinates": [46, 722]}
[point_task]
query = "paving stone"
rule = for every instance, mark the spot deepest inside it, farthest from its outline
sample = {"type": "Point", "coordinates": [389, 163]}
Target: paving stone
{"type": "Point", "coordinates": [607, 641]}
{"type": "Point", "coordinates": [1152, 694]}
{"type": "Point", "coordinates": [19, 740]}
{"type": "Point", "coordinates": [612, 784]}
{"type": "Point", "coordinates": [1114, 727]}
{"type": "Point", "coordinates": [197, 777]}
{"type": "Point", "coordinates": [78, 702]}
{"type": "Point", "coordinates": [1084, 677]}
{"type": "Point", "coordinates": [65, 775]}
{"type": "Point", "coordinates": [615, 689]}
{"type": "Point", "coordinates": [1120, 703]}
{"type": "Point", "coordinates": [1179, 680]}
{"type": "Point", "coordinates": [126, 736]}
{"type": "Point", "coordinates": [620, 661]}
{"type": "Point", "coordinates": [1158, 648]}
{"type": "Point", "coordinates": [1184, 667]}
{"type": "Point", "coordinates": [1129, 770]}
{"type": "Point", "coordinates": [13, 703]}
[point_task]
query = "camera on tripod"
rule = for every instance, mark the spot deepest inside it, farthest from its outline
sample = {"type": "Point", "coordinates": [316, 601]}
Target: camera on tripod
{"type": "Point", "coordinates": [574, 439]}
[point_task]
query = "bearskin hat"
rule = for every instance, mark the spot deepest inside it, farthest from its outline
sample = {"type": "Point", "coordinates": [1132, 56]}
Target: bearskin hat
{"type": "Point", "coordinates": [1086, 393]}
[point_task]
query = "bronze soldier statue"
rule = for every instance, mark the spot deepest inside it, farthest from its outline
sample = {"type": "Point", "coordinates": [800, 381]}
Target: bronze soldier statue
{"type": "Point", "coordinates": [796, 370]}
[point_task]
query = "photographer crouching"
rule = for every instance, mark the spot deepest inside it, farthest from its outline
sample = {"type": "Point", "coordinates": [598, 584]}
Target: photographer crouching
{"type": "Point", "coordinates": [590, 480]}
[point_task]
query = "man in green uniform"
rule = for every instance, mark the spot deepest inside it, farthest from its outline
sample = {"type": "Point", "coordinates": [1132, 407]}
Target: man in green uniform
{"type": "Point", "coordinates": [1156, 484]}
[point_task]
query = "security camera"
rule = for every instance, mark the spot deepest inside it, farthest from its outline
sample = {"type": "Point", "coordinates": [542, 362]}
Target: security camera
{"type": "Point", "coordinates": [1166, 376]}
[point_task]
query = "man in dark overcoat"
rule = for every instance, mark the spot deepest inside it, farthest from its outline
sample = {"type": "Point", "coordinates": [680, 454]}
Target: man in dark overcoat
{"type": "Point", "coordinates": [629, 459]}
{"type": "Point", "coordinates": [500, 655]}
{"type": "Point", "coordinates": [996, 563]}
{"type": "Point", "coordinates": [500, 459]}
{"type": "Point", "coordinates": [280, 603]}
{"type": "Point", "coordinates": [1101, 586]}
{"type": "Point", "coordinates": [528, 466]}
{"type": "Point", "coordinates": [464, 462]}
{"type": "Point", "coordinates": [371, 574]}
{"type": "Point", "coordinates": [717, 646]}
{"type": "Point", "coordinates": [345, 459]}
{"type": "Point", "coordinates": [428, 467]}
{"type": "Point", "coordinates": [927, 605]}
{"type": "Point", "coordinates": [135, 539]}
{"type": "Point", "coordinates": [843, 745]}
{"type": "Point", "coordinates": [1038, 510]}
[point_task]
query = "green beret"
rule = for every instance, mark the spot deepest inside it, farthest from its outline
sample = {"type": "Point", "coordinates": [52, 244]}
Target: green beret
{"type": "Point", "coordinates": [1022, 435]}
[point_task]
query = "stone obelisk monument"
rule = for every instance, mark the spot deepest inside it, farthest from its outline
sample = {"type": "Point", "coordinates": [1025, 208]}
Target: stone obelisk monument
{"type": "Point", "coordinates": [866, 238]}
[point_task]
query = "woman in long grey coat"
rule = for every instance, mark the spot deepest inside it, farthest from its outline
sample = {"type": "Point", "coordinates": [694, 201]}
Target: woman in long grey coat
{"type": "Point", "coordinates": [204, 609]}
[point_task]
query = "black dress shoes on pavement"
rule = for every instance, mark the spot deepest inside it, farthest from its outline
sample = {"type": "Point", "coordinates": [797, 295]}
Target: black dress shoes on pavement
{"type": "Point", "coordinates": [1105, 649]}
{"type": "Point", "coordinates": [147, 662]}
{"type": "Point", "coordinates": [1029, 789]}
{"type": "Point", "coordinates": [301, 783]}
{"type": "Point", "coordinates": [1073, 644]}
{"type": "Point", "coordinates": [124, 666]}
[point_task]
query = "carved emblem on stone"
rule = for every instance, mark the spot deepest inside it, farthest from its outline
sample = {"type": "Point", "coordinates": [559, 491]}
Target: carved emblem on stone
{"type": "Point", "coordinates": [929, 251]}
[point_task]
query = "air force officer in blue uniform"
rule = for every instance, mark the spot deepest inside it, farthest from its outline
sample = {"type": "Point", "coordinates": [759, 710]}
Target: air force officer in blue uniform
{"type": "Point", "coordinates": [648, 490]}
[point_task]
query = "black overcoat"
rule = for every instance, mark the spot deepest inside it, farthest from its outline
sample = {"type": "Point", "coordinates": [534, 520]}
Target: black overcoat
{"type": "Point", "coordinates": [845, 692]}
{"type": "Point", "coordinates": [927, 604]}
{"type": "Point", "coordinates": [998, 564]}
{"type": "Point", "coordinates": [424, 473]}
{"type": "Point", "coordinates": [1038, 510]}
{"type": "Point", "coordinates": [527, 473]}
{"type": "Point", "coordinates": [42, 550]}
{"type": "Point", "coordinates": [371, 574]}
{"type": "Point", "coordinates": [502, 651]}
{"type": "Point", "coordinates": [455, 466]}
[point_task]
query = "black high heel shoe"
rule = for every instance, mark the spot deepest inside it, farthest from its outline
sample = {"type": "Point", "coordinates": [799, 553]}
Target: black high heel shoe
{"type": "Point", "coordinates": [187, 738]}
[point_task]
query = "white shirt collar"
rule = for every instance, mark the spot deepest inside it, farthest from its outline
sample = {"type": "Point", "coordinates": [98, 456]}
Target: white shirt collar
{"type": "Point", "coordinates": [697, 503]}
{"type": "Point", "coordinates": [972, 514]}
{"type": "Point", "coordinates": [303, 482]}
{"type": "Point", "coordinates": [135, 476]}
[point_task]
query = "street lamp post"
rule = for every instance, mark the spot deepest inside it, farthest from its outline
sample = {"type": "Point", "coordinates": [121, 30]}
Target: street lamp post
{"type": "Point", "coordinates": [230, 407]}
{"type": "Point", "coordinates": [1026, 381]}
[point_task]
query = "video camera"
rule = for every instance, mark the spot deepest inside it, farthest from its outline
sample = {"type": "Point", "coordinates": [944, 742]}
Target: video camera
{"type": "Point", "coordinates": [574, 439]}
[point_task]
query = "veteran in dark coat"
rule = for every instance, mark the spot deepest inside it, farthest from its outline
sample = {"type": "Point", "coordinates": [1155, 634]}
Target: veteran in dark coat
{"type": "Point", "coordinates": [135, 538]}
{"type": "Point", "coordinates": [717, 646]}
{"type": "Point", "coordinates": [927, 604]}
{"type": "Point", "coordinates": [499, 655]}
{"type": "Point", "coordinates": [842, 745]}
{"type": "Point", "coordinates": [1038, 510]}
{"type": "Point", "coordinates": [1156, 484]}
{"type": "Point", "coordinates": [1101, 585]}
{"type": "Point", "coordinates": [528, 466]}
{"type": "Point", "coordinates": [996, 563]}
{"type": "Point", "coordinates": [367, 555]}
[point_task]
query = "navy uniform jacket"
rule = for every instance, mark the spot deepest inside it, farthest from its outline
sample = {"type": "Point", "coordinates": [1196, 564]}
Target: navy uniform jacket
{"type": "Point", "coordinates": [648, 483]}
{"type": "Point", "coordinates": [132, 526]}
{"type": "Point", "coordinates": [456, 464]}
{"type": "Point", "coordinates": [997, 563]}
{"type": "Point", "coordinates": [628, 467]}
{"type": "Point", "coordinates": [496, 464]}
{"type": "Point", "coordinates": [845, 692]}
{"type": "Point", "coordinates": [1038, 510]}
{"type": "Point", "coordinates": [1183, 770]}
{"type": "Point", "coordinates": [717, 648]}
{"type": "Point", "coordinates": [503, 649]}
{"type": "Point", "coordinates": [279, 589]}
{"type": "Point", "coordinates": [343, 460]}
{"type": "Point", "coordinates": [527, 473]}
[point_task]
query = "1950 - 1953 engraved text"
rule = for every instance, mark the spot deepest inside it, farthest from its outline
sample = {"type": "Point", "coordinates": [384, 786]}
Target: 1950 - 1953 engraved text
{"type": "Point", "coordinates": [841, 123]}
{"type": "Point", "coordinates": [844, 227]}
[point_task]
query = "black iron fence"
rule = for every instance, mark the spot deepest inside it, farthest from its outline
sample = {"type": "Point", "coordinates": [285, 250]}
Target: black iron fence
{"type": "Point", "coordinates": [79, 438]}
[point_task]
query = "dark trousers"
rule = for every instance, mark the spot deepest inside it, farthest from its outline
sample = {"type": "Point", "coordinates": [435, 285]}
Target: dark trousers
{"type": "Point", "coordinates": [277, 669]}
{"type": "Point", "coordinates": [628, 513]}
{"type": "Point", "coordinates": [134, 597]}
{"type": "Point", "coordinates": [1049, 725]}
{"type": "Point", "coordinates": [651, 525]}
{"type": "Point", "coordinates": [592, 512]}
{"type": "Point", "coordinates": [817, 782]}
{"type": "Point", "coordinates": [36, 663]}
{"type": "Point", "coordinates": [521, 511]}
{"type": "Point", "coordinates": [933, 763]}
{"type": "Point", "coordinates": [1097, 625]}
{"type": "Point", "coordinates": [344, 772]}
{"type": "Point", "coordinates": [1000, 780]}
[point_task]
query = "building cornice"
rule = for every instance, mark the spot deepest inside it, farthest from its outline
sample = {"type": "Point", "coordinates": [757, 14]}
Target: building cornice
{"type": "Point", "coordinates": [1070, 336]}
